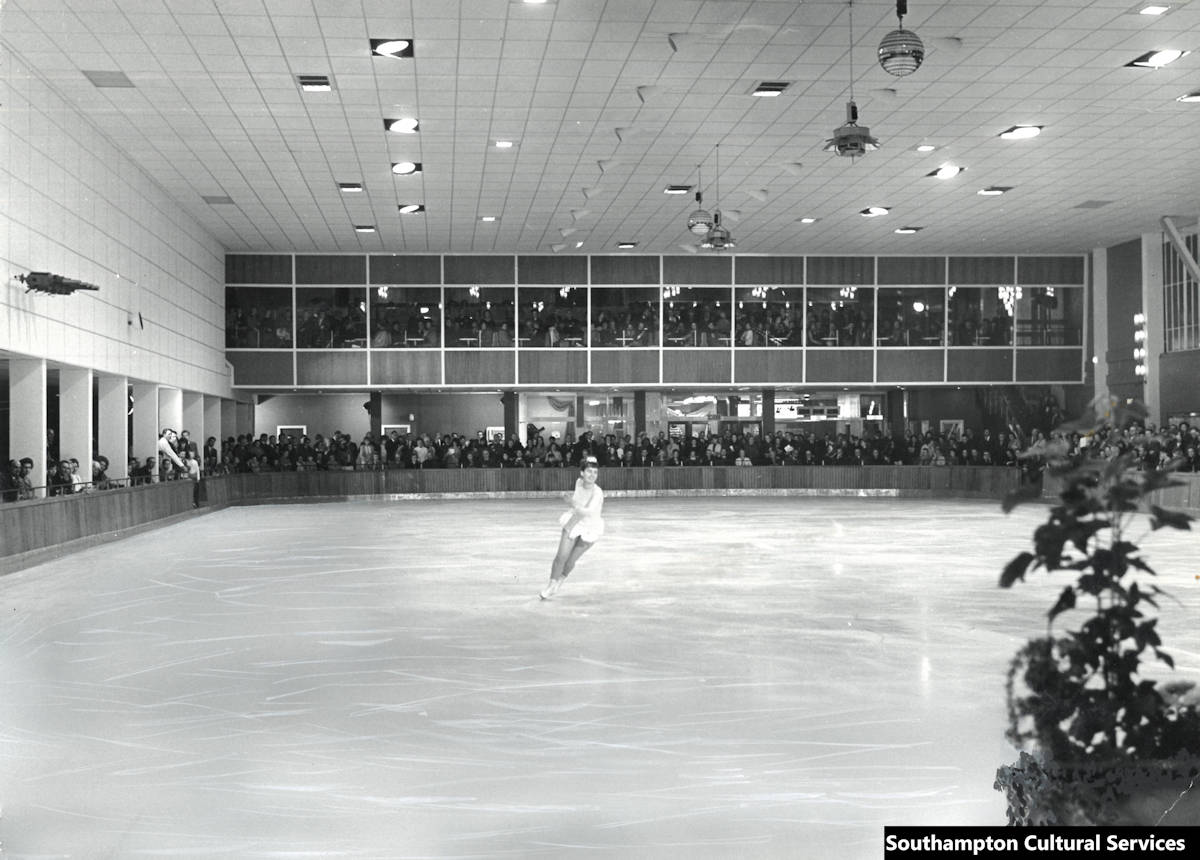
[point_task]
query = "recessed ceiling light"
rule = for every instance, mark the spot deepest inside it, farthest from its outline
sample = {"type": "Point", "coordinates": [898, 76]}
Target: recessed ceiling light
{"type": "Point", "coordinates": [946, 171]}
{"type": "Point", "coordinates": [1153, 10]}
{"type": "Point", "coordinates": [907, 231]}
{"type": "Point", "coordinates": [770, 89]}
{"type": "Point", "coordinates": [874, 211]}
{"type": "Point", "coordinates": [807, 220]}
{"type": "Point", "coordinates": [1193, 96]}
{"type": "Point", "coordinates": [677, 189]}
{"type": "Point", "coordinates": [314, 83]}
{"type": "Point", "coordinates": [488, 219]}
{"type": "Point", "coordinates": [350, 187]}
{"type": "Point", "coordinates": [411, 208]}
{"type": "Point", "coordinates": [626, 245]}
{"type": "Point", "coordinates": [504, 144]}
{"type": "Point", "coordinates": [993, 190]}
{"type": "Point", "coordinates": [926, 147]}
{"type": "Point", "coordinates": [579, 244]}
{"type": "Point", "coordinates": [364, 228]}
{"type": "Point", "coordinates": [405, 125]}
{"type": "Point", "coordinates": [1157, 59]}
{"type": "Point", "coordinates": [406, 168]}
{"type": "Point", "coordinates": [400, 48]}
{"type": "Point", "coordinates": [1021, 132]}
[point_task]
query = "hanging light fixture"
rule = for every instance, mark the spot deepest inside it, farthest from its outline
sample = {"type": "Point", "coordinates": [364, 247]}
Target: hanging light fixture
{"type": "Point", "coordinates": [851, 139]}
{"type": "Point", "coordinates": [717, 238]}
{"type": "Point", "coordinates": [901, 52]}
{"type": "Point", "coordinates": [700, 221]}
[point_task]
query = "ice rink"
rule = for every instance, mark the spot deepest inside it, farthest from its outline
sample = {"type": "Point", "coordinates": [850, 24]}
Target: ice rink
{"type": "Point", "coordinates": [720, 678]}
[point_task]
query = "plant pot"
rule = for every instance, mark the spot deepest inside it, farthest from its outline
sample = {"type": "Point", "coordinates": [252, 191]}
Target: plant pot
{"type": "Point", "coordinates": [1085, 794]}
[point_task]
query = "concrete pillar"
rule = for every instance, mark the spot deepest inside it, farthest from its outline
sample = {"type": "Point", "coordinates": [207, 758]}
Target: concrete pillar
{"type": "Point", "coordinates": [512, 419]}
{"type": "Point", "coordinates": [1152, 305]}
{"type": "Point", "coordinates": [192, 419]}
{"type": "Point", "coordinates": [146, 425]}
{"type": "Point", "coordinates": [212, 423]}
{"type": "Point", "coordinates": [75, 418]}
{"type": "Point", "coordinates": [1099, 322]}
{"type": "Point", "coordinates": [112, 439]}
{"type": "Point", "coordinates": [229, 420]}
{"type": "Point", "coordinates": [639, 414]}
{"type": "Point", "coordinates": [768, 412]}
{"type": "Point", "coordinates": [27, 416]}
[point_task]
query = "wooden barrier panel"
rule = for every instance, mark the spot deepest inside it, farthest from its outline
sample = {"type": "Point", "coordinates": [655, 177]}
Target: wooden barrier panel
{"type": "Point", "coordinates": [34, 525]}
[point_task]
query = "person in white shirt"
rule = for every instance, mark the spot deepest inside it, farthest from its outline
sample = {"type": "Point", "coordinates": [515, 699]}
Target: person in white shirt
{"type": "Point", "coordinates": [582, 525]}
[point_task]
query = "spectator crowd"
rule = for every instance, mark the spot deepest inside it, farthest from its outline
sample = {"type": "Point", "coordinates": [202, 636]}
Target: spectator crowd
{"type": "Point", "coordinates": [1178, 444]}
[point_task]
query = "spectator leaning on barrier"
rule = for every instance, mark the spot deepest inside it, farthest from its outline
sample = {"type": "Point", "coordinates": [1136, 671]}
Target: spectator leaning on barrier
{"type": "Point", "coordinates": [166, 451]}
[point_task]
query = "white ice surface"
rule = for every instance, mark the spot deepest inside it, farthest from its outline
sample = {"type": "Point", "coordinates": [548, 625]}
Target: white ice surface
{"type": "Point", "coordinates": [719, 678]}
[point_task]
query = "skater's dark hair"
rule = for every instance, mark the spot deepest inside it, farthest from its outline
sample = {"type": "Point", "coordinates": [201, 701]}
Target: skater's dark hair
{"type": "Point", "coordinates": [588, 461]}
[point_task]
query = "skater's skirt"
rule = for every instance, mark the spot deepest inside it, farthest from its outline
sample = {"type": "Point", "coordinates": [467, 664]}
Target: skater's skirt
{"type": "Point", "coordinates": [588, 528]}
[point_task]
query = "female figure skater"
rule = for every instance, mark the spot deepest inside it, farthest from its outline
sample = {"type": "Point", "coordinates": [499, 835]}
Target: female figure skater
{"type": "Point", "coordinates": [581, 526]}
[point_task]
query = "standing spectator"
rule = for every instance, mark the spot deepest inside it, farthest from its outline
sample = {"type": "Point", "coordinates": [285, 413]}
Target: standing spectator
{"type": "Point", "coordinates": [167, 440]}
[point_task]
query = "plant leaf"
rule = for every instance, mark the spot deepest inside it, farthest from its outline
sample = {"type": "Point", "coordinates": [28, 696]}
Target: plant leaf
{"type": "Point", "coordinates": [1026, 493]}
{"type": "Point", "coordinates": [1066, 601]}
{"type": "Point", "coordinates": [1016, 569]}
{"type": "Point", "coordinates": [1161, 517]}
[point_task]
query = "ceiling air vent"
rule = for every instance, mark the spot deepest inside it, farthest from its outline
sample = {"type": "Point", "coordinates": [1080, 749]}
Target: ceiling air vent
{"type": "Point", "coordinates": [218, 199]}
{"type": "Point", "coordinates": [1092, 204]}
{"type": "Point", "coordinates": [105, 79]}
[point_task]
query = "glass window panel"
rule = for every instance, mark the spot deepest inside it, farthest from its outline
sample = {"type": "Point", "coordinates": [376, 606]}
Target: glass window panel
{"type": "Point", "coordinates": [912, 316]}
{"type": "Point", "coordinates": [479, 317]}
{"type": "Point", "coordinates": [697, 316]}
{"type": "Point", "coordinates": [979, 317]}
{"type": "Point", "coordinates": [552, 316]}
{"type": "Point", "coordinates": [406, 317]}
{"type": "Point", "coordinates": [769, 316]}
{"type": "Point", "coordinates": [331, 317]}
{"type": "Point", "coordinates": [258, 318]}
{"type": "Point", "coordinates": [625, 316]}
{"type": "Point", "coordinates": [839, 316]}
{"type": "Point", "coordinates": [1049, 316]}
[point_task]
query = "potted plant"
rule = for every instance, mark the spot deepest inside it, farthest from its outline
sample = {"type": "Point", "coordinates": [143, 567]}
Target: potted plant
{"type": "Point", "coordinates": [1100, 742]}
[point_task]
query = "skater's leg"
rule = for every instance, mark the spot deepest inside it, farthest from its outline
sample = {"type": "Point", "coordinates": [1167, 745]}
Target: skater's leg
{"type": "Point", "coordinates": [565, 546]}
{"type": "Point", "coordinates": [581, 546]}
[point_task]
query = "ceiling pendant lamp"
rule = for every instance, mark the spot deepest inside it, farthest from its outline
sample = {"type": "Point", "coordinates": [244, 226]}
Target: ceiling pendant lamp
{"type": "Point", "coordinates": [701, 220]}
{"type": "Point", "coordinates": [851, 139]}
{"type": "Point", "coordinates": [717, 238]}
{"type": "Point", "coordinates": [901, 52]}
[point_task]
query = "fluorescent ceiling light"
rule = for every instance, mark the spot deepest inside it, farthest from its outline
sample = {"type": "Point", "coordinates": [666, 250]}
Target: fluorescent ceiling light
{"type": "Point", "coordinates": [626, 245]}
{"type": "Point", "coordinates": [350, 187]}
{"type": "Point", "coordinates": [677, 189]}
{"type": "Point", "coordinates": [874, 211]}
{"type": "Point", "coordinates": [993, 190]}
{"type": "Point", "coordinates": [579, 244]}
{"type": "Point", "coordinates": [405, 125]}
{"type": "Point", "coordinates": [406, 168]}
{"type": "Point", "coordinates": [926, 147]}
{"type": "Point", "coordinates": [504, 144]}
{"type": "Point", "coordinates": [1153, 10]}
{"type": "Point", "coordinates": [364, 228]}
{"type": "Point", "coordinates": [1157, 59]}
{"type": "Point", "coordinates": [411, 208]}
{"type": "Point", "coordinates": [1021, 132]}
{"type": "Point", "coordinates": [1193, 96]}
{"type": "Point", "coordinates": [946, 171]}
{"type": "Point", "coordinates": [488, 219]}
{"type": "Point", "coordinates": [314, 83]}
{"type": "Point", "coordinates": [907, 231]}
{"type": "Point", "coordinates": [392, 47]}
{"type": "Point", "coordinates": [808, 220]}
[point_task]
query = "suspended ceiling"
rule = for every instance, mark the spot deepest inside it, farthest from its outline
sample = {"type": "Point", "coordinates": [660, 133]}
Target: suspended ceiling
{"type": "Point", "coordinates": [610, 101]}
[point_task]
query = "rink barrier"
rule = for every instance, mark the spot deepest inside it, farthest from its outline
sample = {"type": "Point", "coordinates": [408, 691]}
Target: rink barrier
{"type": "Point", "coordinates": [35, 531]}
{"type": "Point", "coordinates": [1186, 496]}
{"type": "Point", "coordinates": [896, 481]}
{"type": "Point", "coordinates": [40, 529]}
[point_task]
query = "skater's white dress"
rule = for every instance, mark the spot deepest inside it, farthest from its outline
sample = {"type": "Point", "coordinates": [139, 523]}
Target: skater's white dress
{"type": "Point", "coordinates": [583, 520]}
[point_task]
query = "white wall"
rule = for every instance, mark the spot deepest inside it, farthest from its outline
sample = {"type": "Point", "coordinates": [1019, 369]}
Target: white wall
{"type": "Point", "coordinates": [72, 204]}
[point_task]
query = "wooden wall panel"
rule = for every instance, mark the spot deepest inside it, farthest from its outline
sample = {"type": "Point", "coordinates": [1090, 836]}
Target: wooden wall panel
{"type": "Point", "coordinates": [331, 269]}
{"type": "Point", "coordinates": [840, 364]}
{"type": "Point", "coordinates": [625, 367]}
{"type": "Point", "coordinates": [481, 367]}
{"type": "Point", "coordinates": [258, 268]}
{"type": "Point", "coordinates": [781, 366]}
{"type": "Point", "coordinates": [1050, 365]}
{"type": "Point", "coordinates": [261, 367]}
{"type": "Point", "coordinates": [406, 367]}
{"type": "Point", "coordinates": [980, 365]}
{"type": "Point", "coordinates": [910, 365]}
{"type": "Point", "coordinates": [552, 366]}
{"type": "Point", "coordinates": [696, 365]}
{"type": "Point", "coordinates": [331, 367]}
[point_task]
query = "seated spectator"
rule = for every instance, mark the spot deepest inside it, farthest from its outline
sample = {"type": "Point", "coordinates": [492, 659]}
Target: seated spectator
{"type": "Point", "coordinates": [82, 484]}
{"type": "Point", "coordinates": [61, 482]}
{"type": "Point", "coordinates": [100, 479]}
